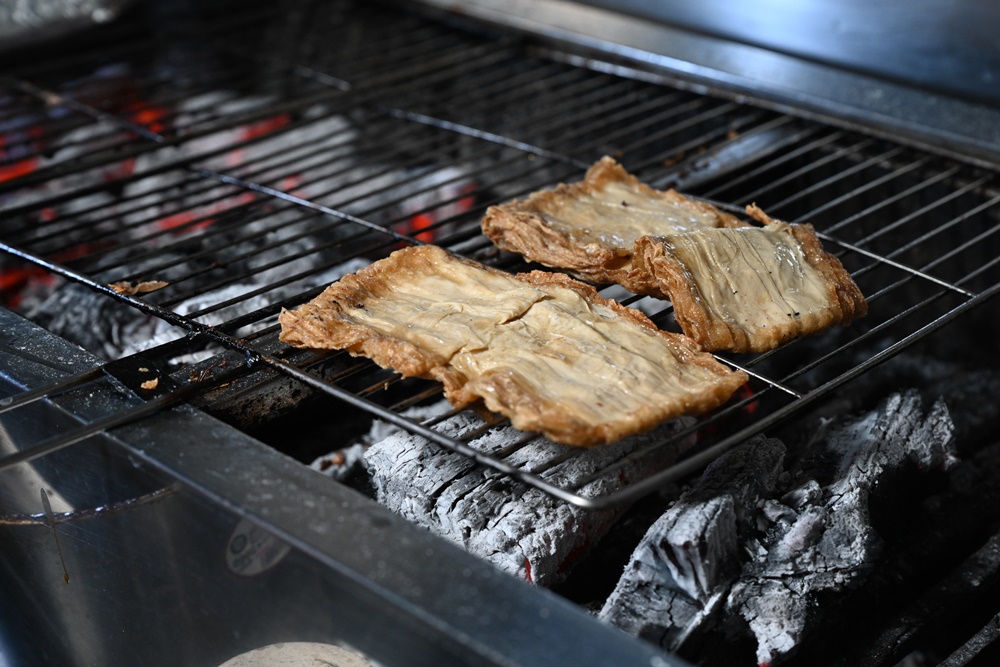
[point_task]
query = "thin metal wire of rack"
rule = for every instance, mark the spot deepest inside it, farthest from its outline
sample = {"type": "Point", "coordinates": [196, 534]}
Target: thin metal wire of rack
{"type": "Point", "coordinates": [232, 188]}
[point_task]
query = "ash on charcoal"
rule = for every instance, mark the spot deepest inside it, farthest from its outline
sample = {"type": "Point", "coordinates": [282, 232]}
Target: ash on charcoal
{"type": "Point", "coordinates": [520, 529]}
{"type": "Point", "coordinates": [827, 542]}
{"type": "Point", "coordinates": [346, 462]}
{"type": "Point", "coordinates": [806, 533]}
{"type": "Point", "coordinates": [113, 330]}
{"type": "Point", "coordinates": [164, 333]}
{"type": "Point", "coordinates": [342, 463]}
{"type": "Point", "coordinates": [971, 399]}
{"type": "Point", "coordinates": [682, 567]}
{"type": "Point", "coordinates": [95, 322]}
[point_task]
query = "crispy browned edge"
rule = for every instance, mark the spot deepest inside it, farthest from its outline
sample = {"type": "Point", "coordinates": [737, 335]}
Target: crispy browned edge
{"type": "Point", "coordinates": [324, 322]}
{"type": "Point", "coordinates": [846, 294]}
{"type": "Point", "coordinates": [519, 226]}
{"type": "Point", "coordinates": [846, 301]}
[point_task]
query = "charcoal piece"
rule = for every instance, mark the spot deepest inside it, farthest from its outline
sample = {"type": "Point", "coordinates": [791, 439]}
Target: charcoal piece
{"type": "Point", "coordinates": [341, 463]}
{"type": "Point", "coordinates": [976, 417]}
{"type": "Point", "coordinates": [348, 460]}
{"type": "Point", "coordinates": [801, 531]}
{"type": "Point", "coordinates": [682, 567]}
{"type": "Point", "coordinates": [113, 330]}
{"type": "Point", "coordinates": [518, 528]}
{"type": "Point", "coordinates": [828, 542]}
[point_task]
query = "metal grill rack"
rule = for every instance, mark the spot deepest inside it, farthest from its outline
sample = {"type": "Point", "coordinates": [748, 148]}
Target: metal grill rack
{"type": "Point", "coordinates": [207, 186]}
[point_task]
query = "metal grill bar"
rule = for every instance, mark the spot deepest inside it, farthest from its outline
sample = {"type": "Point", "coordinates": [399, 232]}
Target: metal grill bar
{"type": "Point", "coordinates": [749, 175]}
{"type": "Point", "coordinates": [887, 260]}
{"type": "Point", "coordinates": [527, 123]}
{"type": "Point", "coordinates": [913, 190]}
{"type": "Point", "coordinates": [859, 146]}
{"type": "Point", "coordinates": [105, 267]}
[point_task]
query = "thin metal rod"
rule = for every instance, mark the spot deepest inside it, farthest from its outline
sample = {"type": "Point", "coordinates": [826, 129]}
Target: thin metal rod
{"type": "Point", "coordinates": [885, 259]}
{"type": "Point", "coordinates": [278, 194]}
{"type": "Point", "coordinates": [841, 174]}
{"type": "Point", "coordinates": [484, 136]}
{"type": "Point", "coordinates": [906, 194]}
{"type": "Point", "coordinates": [978, 643]}
{"type": "Point", "coordinates": [772, 164]}
{"type": "Point", "coordinates": [31, 395]}
{"type": "Point", "coordinates": [873, 184]}
{"type": "Point", "coordinates": [857, 148]}
{"type": "Point", "coordinates": [706, 456]}
{"type": "Point", "coordinates": [44, 518]}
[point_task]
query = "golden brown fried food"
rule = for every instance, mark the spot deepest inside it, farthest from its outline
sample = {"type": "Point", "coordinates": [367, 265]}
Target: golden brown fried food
{"type": "Point", "coordinates": [753, 288]}
{"type": "Point", "coordinates": [590, 228]}
{"type": "Point", "coordinates": [735, 286]}
{"type": "Point", "coordinates": [542, 349]}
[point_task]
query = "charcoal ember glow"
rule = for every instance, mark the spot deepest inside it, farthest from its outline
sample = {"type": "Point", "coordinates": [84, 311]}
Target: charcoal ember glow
{"type": "Point", "coordinates": [71, 145]}
{"type": "Point", "coordinates": [176, 199]}
{"type": "Point", "coordinates": [806, 529]}
{"type": "Point", "coordinates": [519, 529]}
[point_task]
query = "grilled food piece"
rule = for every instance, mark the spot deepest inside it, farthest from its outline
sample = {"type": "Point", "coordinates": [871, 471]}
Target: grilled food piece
{"type": "Point", "coordinates": [540, 348]}
{"type": "Point", "coordinates": [590, 228]}
{"type": "Point", "coordinates": [734, 286]}
{"type": "Point", "coordinates": [751, 289]}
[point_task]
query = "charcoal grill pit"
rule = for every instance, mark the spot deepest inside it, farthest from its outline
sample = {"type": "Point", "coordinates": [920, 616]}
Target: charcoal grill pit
{"type": "Point", "coordinates": [161, 203]}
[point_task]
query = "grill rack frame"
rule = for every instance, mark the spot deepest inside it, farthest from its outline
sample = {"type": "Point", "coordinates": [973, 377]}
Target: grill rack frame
{"type": "Point", "coordinates": [333, 88]}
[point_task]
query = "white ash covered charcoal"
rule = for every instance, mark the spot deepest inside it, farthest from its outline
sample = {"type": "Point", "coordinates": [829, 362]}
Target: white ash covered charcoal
{"type": "Point", "coordinates": [113, 330]}
{"type": "Point", "coordinates": [753, 544]}
{"type": "Point", "coordinates": [344, 462]}
{"type": "Point", "coordinates": [684, 564]}
{"type": "Point", "coordinates": [96, 322]}
{"type": "Point", "coordinates": [162, 332]}
{"type": "Point", "coordinates": [519, 529]}
{"type": "Point", "coordinates": [977, 421]}
{"type": "Point", "coordinates": [821, 536]}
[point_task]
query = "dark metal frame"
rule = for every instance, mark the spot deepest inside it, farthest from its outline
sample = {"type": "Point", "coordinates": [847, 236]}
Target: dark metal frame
{"type": "Point", "coordinates": [420, 600]}
{"type": "Point", "coordinates": [707, 145]}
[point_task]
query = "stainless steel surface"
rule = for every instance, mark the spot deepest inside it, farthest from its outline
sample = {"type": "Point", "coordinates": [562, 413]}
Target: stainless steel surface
{"type": "Point", "coordinates": [238, 547]}
{"type": "Point", "coordinates": [31, 22]}
{"type": "Point", "coordinates": [947, 48]}
{"type": "Point", "coordinates": [286, 143]}
{"type": "Point", "coordinates": [244, 201]}
{"type": "Point", "coordinates": [729, 54]}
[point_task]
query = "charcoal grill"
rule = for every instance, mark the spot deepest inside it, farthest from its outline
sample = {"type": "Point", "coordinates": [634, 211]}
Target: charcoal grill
{"type": "Point", "coordinates": [165, 193]}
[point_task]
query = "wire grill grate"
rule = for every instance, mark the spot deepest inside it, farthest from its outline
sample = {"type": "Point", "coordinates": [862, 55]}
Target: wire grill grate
{"type": "Point", "coordinates": [245, 180]}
